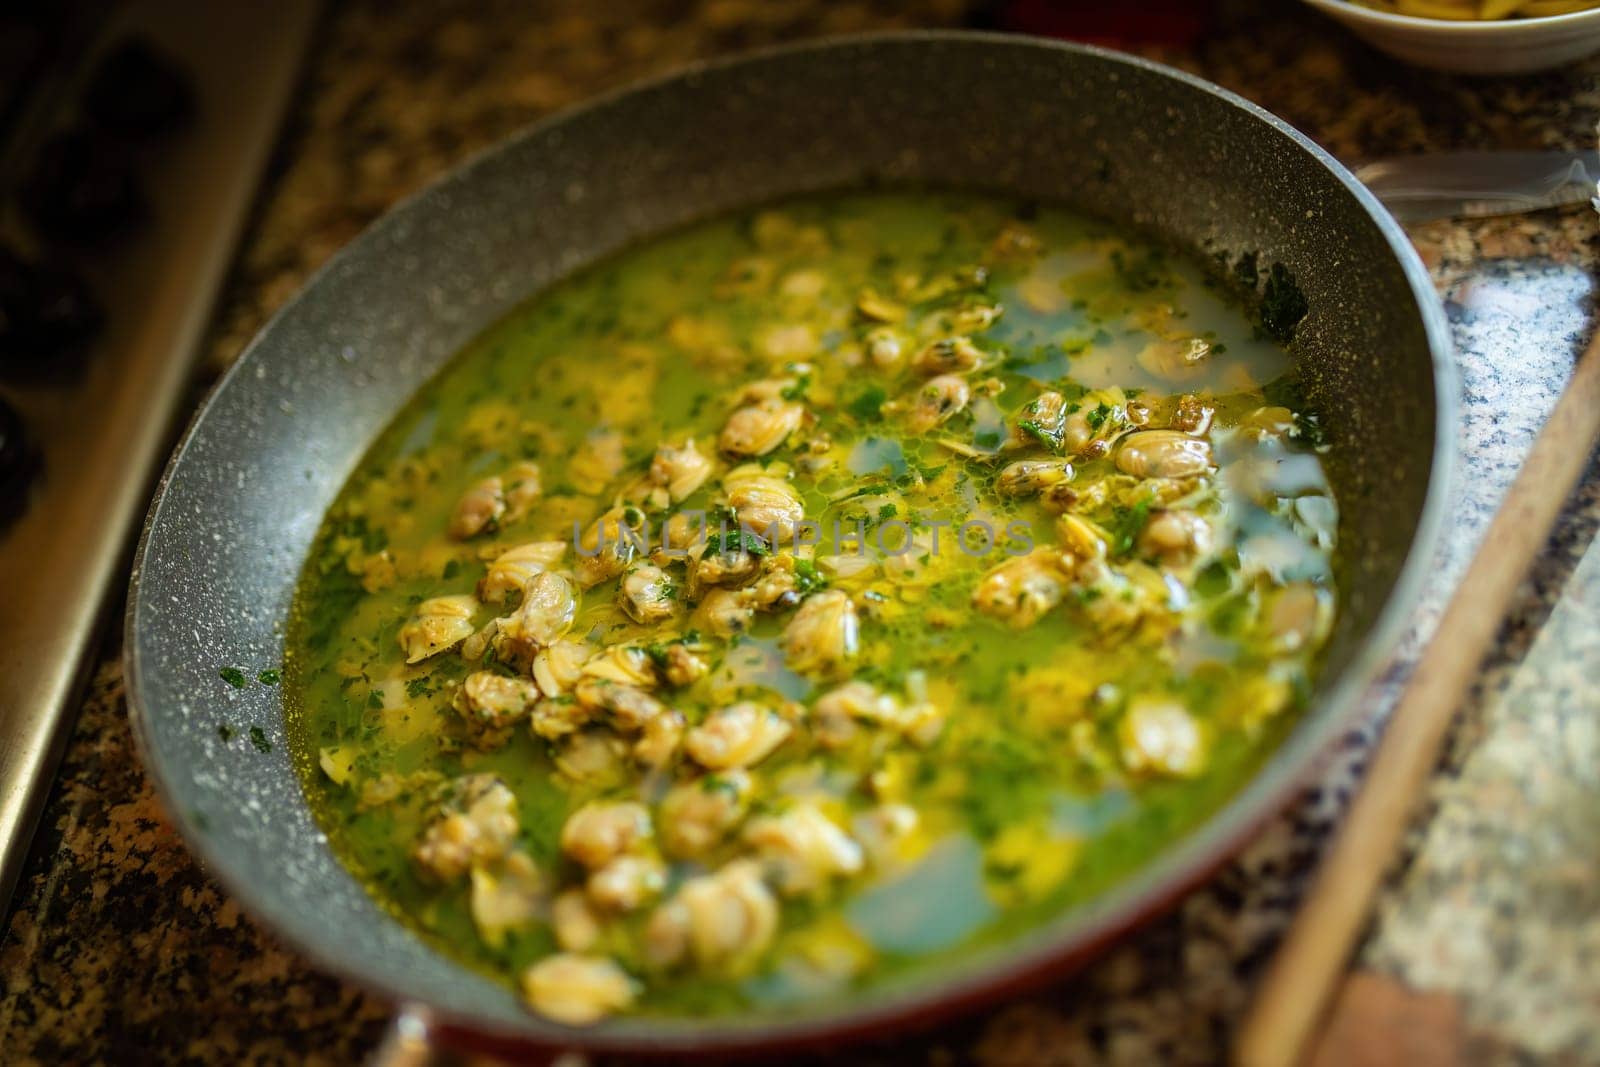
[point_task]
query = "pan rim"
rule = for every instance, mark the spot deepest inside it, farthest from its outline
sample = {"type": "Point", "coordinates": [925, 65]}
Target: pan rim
{"type": "Point", "coordinates": [1055, 945]}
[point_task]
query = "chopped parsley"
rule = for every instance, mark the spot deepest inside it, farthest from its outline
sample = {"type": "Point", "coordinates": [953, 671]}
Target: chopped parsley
{"type": "Point", "coordinates": [797, 391]}
{"type": "Point", "coordinates": [234, 677]}
{"type": "Point", "coordinates": [1130, 523]}
{"type": "Point", "coordinates": [866, 404]}
{"type": "Point", "coordinates": [258, 738]}
{"type": "Point", "coordinates": [807, 578]}
{"type": "Point", "coordinates": [1283, 305]}
{"type": "Point", "coordinates": [729, 541]}
{"type": "Point", "coordinates": [270, 676]}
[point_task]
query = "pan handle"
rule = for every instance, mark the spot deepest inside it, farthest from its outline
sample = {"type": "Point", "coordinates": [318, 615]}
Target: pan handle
{"type": "Point", "coordinates": [413, 1040]}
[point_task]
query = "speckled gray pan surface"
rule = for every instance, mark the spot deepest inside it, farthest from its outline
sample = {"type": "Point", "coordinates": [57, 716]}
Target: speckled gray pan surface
{"type": "Point", "coordinates": [239, 504]}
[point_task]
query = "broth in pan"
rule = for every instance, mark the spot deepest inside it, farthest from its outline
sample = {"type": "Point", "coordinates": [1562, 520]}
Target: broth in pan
{"type": "Point", "coordinates": [802, 598]}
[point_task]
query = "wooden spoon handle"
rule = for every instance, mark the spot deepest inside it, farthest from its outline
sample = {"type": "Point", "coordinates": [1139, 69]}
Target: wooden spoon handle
{"type": "Point", "coordinates": [1299, 984]}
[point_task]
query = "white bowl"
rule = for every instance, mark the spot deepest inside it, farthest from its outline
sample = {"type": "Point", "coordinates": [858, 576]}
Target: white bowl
{"type": "Point", "coordinates": [1504, 46]}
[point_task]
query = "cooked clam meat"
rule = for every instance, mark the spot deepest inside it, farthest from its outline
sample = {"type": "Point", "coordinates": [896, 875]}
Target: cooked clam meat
{"type": "Point", "coordinates": [438, 625]}
{"type": "Point", "coordinates": [764, 504]}
{"type": "Point", "coordinates": [491, 705]}
{"type": "Point", "coordinates": [824, 635]}
{"type": "Point", "coordinates": [598, 833]}
{"type": "Point", "coordinates": [1020, 591]}
{"type": "Point", "coordinates": [514, 568]}
{"type": "Point", "coordinates": [577, 990]}
{"type": "Point", "coordinates": [1163, 454]}
{"type": "Point", "coordinates": [509, 895]}
{"type": "Point", "coordinates": [722, 921]}
{"type": "Point", "coordinates": [935, 403]}
{"type": "Point", "coordinates": [476, 824]}
{"type": "Point", "coordinates": [648, 594]}
{"type": "Point", "coordinates": [759, 428]}
{"type": "Point", "coordinates": [954, 355]}
{"type": "Point", "coordinates": [549, 604]}
{"type": "Point", "coordinates": [802, 849]}
{"type": "Point", "coordinates": [696, 814]}
{"type": "Point", "coordinates": [739, 735]}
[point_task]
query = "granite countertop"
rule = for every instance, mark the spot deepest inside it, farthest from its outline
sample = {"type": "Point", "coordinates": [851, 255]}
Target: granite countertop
{"type": "Point", "coordinates": [1487, 943]}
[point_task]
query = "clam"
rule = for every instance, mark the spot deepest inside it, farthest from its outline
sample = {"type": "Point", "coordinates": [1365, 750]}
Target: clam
{"type": "Point", "coordinates": [438, 624]}
{"type": "Point", "coordinates": [595, 758]}
{"type": "Point", "coordinates": [739, 735]}
{"type": "Point", "coordinates": [627, 665]}
{"type": "Point", "coordinates": [1161, 737]}
{"type": "Point", "coordinates": [577, 990]}
{"type": "Point", "coordinates": [558, 666]}
{"type": "Point", "coordinates": [778, 588]}
{"type": "Point", "coordinates": [697, 814]}
{"type": "Point", "coordinates": [610, 544]}
{"type": "Point", "coordinates": [758, 428]}
{"type": "Point", "coordinates": [1298, 616]}
{"type": "Point", "coordinates": [724, 921]}
{"type": "Point", "coordinates": [936, 402]}
{"type": "Point", "coordinates": [1042, 421]}
{"type": "Point", "coordinates": [600, 831]}
{"type": "Point", "coordinates": [824, 634]}
{"type": "Point", "coordinates": [523, 488]}
{"type": "Point", "coordinates": [647, 594]}
{"type": "Point", "coordinates": [491, 705]}
{"type": "Point", "coordinates": [681, 665]}
{"type": "Point", "coordinates": [725, 561]}
{"type": "Point", "coordinates": [515, 567]}
{"type": "Point", "coordinates": [627, 707]}
{"type": "Point", "coordinates": [479, 510]}
{"type": "Point", "coordinates": [882, 831]}
{"type": "Point", "coordinates": [508, 895]}
{"type": "Point", "coordinates": [1020, 591]}
{"type": "Point", "coordinates": [884, 348]}
{"type": "Point", "coordinates": [1083, 539]}
{"type": "Point", "coordinates": [573, 921]}
{"type": "Point", "coordinates": [477, 823]}
{"type": "Point", "coordinates": [835, 714]}
{"type": "Point", "coordinates": [549, 604]}
{"type": "Point", "coordinates": [680, 470]}
{"type": "Point", "coordinates": [1175, 537]}
{"type": "Point", "coordinates": [556, 717]}
{"type": "Point", "coordinates": [598, 460]}
{"type": "Point", "coordinates": [1268, 421]}
{"type": "Point", "coordinates": [1028, 477]}
{"type": "Point", "coordinates": [1088, 429]}
{"type": "Point", "coordinates": [768, 506]}
{"type": "Point", "coordinates": [725, 612]}
{"type": "Point", "coordinates": [802, 850]}
{"type": "Point", "coordinates": [975, 317]}
{"type": "Point", "coordinates": [626, 882]}
{"type": "Point", "coordinates": [660, 738]}
{"type": "Point", "coordinates": [1163, 454]}
{"type": "Point", "coordinates": [952, 355]}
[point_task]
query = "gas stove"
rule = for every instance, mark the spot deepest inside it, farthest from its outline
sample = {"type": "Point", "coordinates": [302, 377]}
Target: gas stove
{"type": "Point", "coordinates": [132, 137]}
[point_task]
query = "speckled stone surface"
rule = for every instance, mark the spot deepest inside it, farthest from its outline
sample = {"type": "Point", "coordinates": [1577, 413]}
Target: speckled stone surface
{"type": "Point", "coordinates": [118, 948]}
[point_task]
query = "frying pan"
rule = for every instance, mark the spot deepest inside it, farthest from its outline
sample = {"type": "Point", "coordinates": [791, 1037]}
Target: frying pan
{"type": "Point", "coordinates": [1119, 137]}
